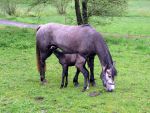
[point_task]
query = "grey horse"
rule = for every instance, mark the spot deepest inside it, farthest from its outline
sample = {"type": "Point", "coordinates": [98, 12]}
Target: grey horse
{"type": "Point", "coordinates": [83, 40]}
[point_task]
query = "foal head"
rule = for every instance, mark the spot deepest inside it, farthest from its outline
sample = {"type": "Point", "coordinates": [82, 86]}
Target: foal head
{"type": "Point", "coordinates": [108, 74]}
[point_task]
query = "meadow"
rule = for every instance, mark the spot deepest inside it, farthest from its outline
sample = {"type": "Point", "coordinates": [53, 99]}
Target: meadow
{"type": "Point", "coordinates": [20, 88]}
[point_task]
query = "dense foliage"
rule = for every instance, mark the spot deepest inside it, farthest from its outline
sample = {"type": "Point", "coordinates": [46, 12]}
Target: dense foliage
{"type": "Point", "coordinates": [106, 7]}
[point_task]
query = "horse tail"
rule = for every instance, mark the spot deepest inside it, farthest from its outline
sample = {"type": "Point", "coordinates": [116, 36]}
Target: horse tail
{"type": "Point", "coordinates": [38, 28]}
{"type": "Point", "coordinates": [38, 57]}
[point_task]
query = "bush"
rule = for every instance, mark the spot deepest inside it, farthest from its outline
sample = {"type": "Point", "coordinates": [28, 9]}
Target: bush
{"type": "Point", "coordinates": [106, 7]}
{"type": "Point", "coordinates": [8, 7]}
{"type": "Point", "coordinates": [60, 5]}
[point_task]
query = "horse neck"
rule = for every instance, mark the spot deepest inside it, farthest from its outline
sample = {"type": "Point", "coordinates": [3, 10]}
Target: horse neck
{"type": "Point", "coordinates": [103, 53]}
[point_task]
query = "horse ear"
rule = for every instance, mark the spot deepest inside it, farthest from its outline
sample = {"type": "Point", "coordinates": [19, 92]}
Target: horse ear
{"type": "Point", "coordinates": [105, 68]}
{"type": "Point", "coordinates": [114, 63]}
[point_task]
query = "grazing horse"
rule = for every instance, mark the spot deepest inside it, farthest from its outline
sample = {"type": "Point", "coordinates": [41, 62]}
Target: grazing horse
{"type": "Point", "coordinates": [77, 60]}
{"type": "Point", "coordinates": [83, 40]}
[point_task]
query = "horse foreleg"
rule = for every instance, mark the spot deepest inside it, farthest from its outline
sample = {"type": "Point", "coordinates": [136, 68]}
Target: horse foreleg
{"type": "Point", "coordinates": [75, 79]}
{"type": "Point", "coordinates": [91, 66]}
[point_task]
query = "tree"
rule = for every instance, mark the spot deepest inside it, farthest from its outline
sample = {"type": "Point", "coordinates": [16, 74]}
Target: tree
{"type": "Point", "coordinates": [78, 12]}
{"type": "Point", "coordinates": [89, 8]}
{"type": "Point", "coordinates": [106, 7]}
{"type": "Point", "coordinates": [99, 8]}
{"type": "Point", "coordinates": [81, 19]}
{"type": "Point", "coordinates": [8, 7]}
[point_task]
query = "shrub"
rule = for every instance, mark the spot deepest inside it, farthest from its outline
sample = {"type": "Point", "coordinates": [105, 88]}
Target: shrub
{"type": "Point", "coordinates": [8, 7]}
{"type": "Point", "coordinates": [106, 7]}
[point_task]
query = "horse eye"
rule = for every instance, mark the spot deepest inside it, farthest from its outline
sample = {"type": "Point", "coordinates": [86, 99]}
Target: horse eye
{"type": "Point", "coordinates": [110, 76]}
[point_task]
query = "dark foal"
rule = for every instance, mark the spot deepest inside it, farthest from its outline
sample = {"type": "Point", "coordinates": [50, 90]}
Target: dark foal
{"type": "Point", "coordinates": [77, 60]}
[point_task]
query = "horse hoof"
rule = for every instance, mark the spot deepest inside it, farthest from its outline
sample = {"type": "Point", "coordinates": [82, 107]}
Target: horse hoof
{"type": "Point", "coordinates": [87, 88]}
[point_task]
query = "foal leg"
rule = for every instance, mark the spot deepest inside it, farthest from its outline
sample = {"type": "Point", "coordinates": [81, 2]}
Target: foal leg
{"type": "Point", "coordinates": [65, 70]}
{"type": "Point", "coordinates": [75, 79]}
{"type": "Point", "coordinates": [85, 72]}
{"type": "Point", "coordinates": [66, 73]}
{"type": "Point", "coordinates": [91, 66]}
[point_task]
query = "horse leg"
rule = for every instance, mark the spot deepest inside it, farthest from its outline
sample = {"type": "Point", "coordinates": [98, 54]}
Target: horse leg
{"type": "Point", "coordinates": [43, 57]}
{"type": "Point", "coordinates": [85, 72]}
{"type": "Point", "coordinates": [91, 66]}
{"type": "Point", "coordinates": [65, 69]}
{"type": "Point", "coordinates": [75, 79]}
{"type": "Point", "coordinates": [42, 67]}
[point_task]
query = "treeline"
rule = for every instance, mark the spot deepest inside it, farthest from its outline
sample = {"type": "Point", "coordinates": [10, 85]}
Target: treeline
{"type": "Point", "coordinates": [83, 8]}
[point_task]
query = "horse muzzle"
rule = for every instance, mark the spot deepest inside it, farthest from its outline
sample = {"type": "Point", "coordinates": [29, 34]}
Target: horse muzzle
{"type": "Point", "coordinates": [110, 87]}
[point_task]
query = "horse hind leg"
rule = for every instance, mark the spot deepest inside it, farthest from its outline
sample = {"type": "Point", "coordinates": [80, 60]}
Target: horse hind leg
{"type": "Point", "coordinates": [43, 57]}
{"type": "Point", "coordinates": [42, 68]}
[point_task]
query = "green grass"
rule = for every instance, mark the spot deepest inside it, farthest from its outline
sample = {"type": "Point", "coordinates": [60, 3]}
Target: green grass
{"type": "Point", "coordinates": [139, 8]}
{"type": "Point", "coordinates": [21, 91]}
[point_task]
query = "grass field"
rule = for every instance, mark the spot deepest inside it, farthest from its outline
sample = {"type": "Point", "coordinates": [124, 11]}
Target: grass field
{"type": "Point", "coordinates": [20, 88]}
{"type": "Point", "coordinates": [21, 91]}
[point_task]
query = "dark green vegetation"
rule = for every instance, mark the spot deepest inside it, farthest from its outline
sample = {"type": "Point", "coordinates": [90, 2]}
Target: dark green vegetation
{"type": "Point", "coordinates": [21, 90]}
{"type": "Point", "coordinates": [136, 20]}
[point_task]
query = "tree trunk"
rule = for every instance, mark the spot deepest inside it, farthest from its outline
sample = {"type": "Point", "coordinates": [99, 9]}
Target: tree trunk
{"type": "Point", "coordinates": [84, 11]}
{"type": "Point", "coordinates": [78, 12]}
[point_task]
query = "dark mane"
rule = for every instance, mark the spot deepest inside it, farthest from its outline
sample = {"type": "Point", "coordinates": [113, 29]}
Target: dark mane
{"type": "Point", "coordinates": [108, 59]}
